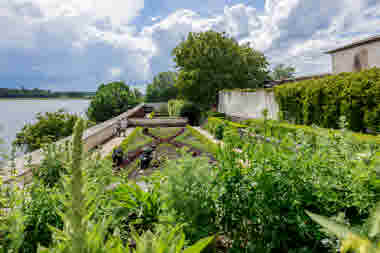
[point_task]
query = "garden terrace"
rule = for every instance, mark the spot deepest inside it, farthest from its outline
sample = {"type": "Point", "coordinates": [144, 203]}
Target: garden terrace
{"type": "Point", "coordinates": [253, 191]}
{"type": "Point", "coordinates": [166, 143]}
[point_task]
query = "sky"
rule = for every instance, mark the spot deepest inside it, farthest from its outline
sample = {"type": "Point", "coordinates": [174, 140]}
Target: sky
{"type": "Point", "coordinates": [78, 44]}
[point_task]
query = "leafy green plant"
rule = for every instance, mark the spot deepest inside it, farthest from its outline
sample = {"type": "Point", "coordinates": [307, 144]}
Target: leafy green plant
{"type": "Point", "coordinates": [52, 166]}
{"type": "Point", "coordinates": [111, 100]}
{"type": "Point", "coordinates": [174, 107]}
{"type": "Point", "coordinates": [136, 208]}
{"type": "Point", "coordinates": [84, 195]}
{"type": "Point", "coordinates": [192, 112]}
{"type": "Point", "coordinates": [167, 240]}
{"type": "Point", "coordinates": [322, 101]}
{"type": "Point", "coordinates": [188, 191]}
{"type": "Point", "coordinates": [210, 61]}
{"type": "Point", "coordinates": [353, 239]}
{"type": "Point", "coordinates": [48, 128]}
{"type": "Point", "coordinates": [11, 218]}
{"type": "Point", "coordinates": [266, 187]}
{"type": "Point", "coordinates": [41, 212]}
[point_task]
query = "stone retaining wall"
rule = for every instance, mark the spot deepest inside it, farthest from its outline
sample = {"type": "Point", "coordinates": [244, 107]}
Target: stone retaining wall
{"type": "Point", "coordinates": [92, 137]}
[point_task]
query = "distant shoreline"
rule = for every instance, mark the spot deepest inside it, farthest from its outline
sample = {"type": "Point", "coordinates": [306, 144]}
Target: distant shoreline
{"type": "Point", "coordinates": [52, 98]}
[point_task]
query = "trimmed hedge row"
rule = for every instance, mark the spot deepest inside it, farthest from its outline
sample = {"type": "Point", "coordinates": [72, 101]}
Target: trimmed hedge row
{"type": "Point", "coordinates": [281, 129]}
{"type": "Point", "coordinates": [211, 147]}
{"type": "Point", "coordinates": [323, 101]}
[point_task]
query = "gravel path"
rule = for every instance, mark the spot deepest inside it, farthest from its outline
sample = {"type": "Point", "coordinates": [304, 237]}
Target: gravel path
{"type": "Point", "coordinates": [208, 135]}
{"type": "Point", "coordinates": [114, 142]}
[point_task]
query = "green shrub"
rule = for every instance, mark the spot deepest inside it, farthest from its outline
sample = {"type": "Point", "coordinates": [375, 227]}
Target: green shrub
{"type": "Point", "coordinates": [219, 132]}
{"type": "Point", "coordinates": [322, 101]}
{"type": "Point", "coordinates": [210, 146]}
{"type": "Point", "coordinates": [192, 112]}
{"type": "Point", "coordinates": [218, 127]}
{"type": "Point", "coordinates": [174, 107]}
{"type": "Point", "coordinates": [11, 218]}
{"type": "Point", "coordinates": [48, 128]}
{"type": "Point", "coordinates": [135, 208]}
{"type": "Point", "coordinates": [52, 166]}
{"type": "Point", "coordinates": [189, 193]}
{"type": "Point", "coordinates": [216, 114]}
{"type": "Point", "coordinates": [282, 129]}
{"type": "Point", "coordinates": [41, 214]}
{"type": "Point", "coordinates": [82, 196]}
{"type": "Point", "coordinates": [267, 187]}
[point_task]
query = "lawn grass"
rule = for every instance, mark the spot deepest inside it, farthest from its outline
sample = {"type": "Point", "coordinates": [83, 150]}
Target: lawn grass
{"type": "Point", "coordinates": [135, 140]}
{"type": "Point", "coordinates": [164, 132]}
{"type": "Point", "coordinates": [197, 140]}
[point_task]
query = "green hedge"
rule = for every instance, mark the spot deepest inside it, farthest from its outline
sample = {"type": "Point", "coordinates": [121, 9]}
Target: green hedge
{"type": "Point", "coordinates": [209, 145]}
{"type": "Point", "coordinates": [280, 129]}
{"type": "Point", "coordinates": [322, 101]}
{"type": "Point", "coordinates": [175, 106]}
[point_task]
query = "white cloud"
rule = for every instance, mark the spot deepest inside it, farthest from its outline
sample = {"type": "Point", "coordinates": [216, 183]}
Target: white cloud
{"type": "Point", "coordinates": [72, 41]}
{"type": "Point", "coordinates": [154, 19]}
{"type": "Point", "coordinates": [294, 32]}
{"type": "Point", "coordinates": [118, 11]}
{"type": "Point", "coordinates": [115, 72]}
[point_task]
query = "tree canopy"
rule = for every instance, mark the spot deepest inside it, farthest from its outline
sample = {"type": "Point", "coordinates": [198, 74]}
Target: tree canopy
{"type": "Point", "coordinates": [110, 101]}
{"type": "Point", "coordinates": [162, 89]}
{"type": "Point", "coordinates": [281, 72]}
{"type": "Point", "coordinates": [210, 61]}
{"type": "Point", "coordinates": [48, 127]}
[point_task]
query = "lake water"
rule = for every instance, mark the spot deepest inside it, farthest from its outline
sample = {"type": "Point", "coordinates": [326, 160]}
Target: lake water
{"type": "Point", "coordinates": [15, 113]}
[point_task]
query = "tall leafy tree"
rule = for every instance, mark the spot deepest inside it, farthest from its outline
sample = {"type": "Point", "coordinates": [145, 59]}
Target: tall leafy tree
{"type": "Point", "coordinates": [281, 71]}
{"type": "Point", "coordinates": [110, 101]}
{"type": "Point", "coordinates": [162, 89]}
{"type": "Point", "coordinates": [210, 61]}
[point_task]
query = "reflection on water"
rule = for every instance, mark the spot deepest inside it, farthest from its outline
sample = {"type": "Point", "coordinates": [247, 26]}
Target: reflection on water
{"type": "Point", "coordinates": [15, 113]}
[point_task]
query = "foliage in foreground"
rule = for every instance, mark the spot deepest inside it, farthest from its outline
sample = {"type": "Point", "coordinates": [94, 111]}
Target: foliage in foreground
{"type": "Point", "coordinates": [254, 198]}
{"type": "Point", "coordinates": [189, 193]}
{"type": "Point", "coordinates": [111, 100]}
{"type": "Point", "coordinates": [48, 128]}
{"type": "Point", "coordinates": [210, 61]}
{"type": "Point", "coordinates": [363, 239]}
{"type": "Point", "coordinates": [83, 201]}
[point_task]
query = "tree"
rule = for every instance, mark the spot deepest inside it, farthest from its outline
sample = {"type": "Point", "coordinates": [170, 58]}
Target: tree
{"type": "Point", "coordinates": [162, 89]}
{"type": "Point", "coordinates": [137, 93]}
{"type": "Point", "coordinates": [110, 101]}
{"type": "Point", "coordinates": [281, 72]}
{"type": "Point", "coordinates": [210, 61]}
{"type": "Point", "coordinates": [48, 128]}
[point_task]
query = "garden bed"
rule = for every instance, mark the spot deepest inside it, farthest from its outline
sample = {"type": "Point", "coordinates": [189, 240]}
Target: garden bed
{"type": "Point", "coordinates": [166, 142]}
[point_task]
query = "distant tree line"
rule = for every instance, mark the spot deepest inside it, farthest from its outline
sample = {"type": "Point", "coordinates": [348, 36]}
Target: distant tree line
{"type": "Point", "coordinates": [40, 93]}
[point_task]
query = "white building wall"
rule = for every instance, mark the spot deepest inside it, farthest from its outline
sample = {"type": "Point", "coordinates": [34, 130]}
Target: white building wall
{"type": "Point", "coordinates": [248, 104]}
{"type": "Point", "coordinates": [343, 61]}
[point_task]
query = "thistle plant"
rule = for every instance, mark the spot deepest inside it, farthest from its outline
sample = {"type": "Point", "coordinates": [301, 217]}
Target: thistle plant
{"type": "Point", "coordinates": [78, 212]}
